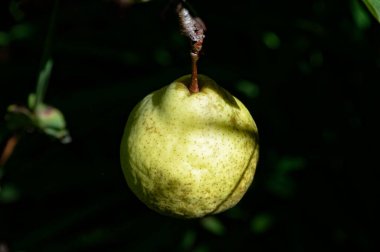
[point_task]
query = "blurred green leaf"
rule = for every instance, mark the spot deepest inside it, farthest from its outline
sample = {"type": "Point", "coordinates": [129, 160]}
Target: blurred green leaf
{"type": "Point", "coordinates": [213, 225]}
{"type": "Point", "coordinates": [261, 223]}
{"type": "Point", "coordinates": [248, 88]}
{"type": "Point", "coordinates": [281, 182]}
{"type": "Point", "coordinates": [9, 194]}
{"type": "Point", "coordinates": [374, 8]}
{"type": "Point", "coordinates": [162, 57]}
{"type": "Point", "coordinates": [4, 38]}
{"type": "Point", "coordinates": [271, 40]}
{"type": "Point", "coordinates": [289, 164]}
{"type": "Point", "coordinates": [316, 59]}
{"type": "Point", "coordinates": [282, 186]}
{"type": "Point", "coordinates": [201, 248]}
{"type": "Point", "coordinates": [21, 31]}
{"type": "Point", "coordinates": [42, 83]}
{"type": "Point", "coordinates": [188, 240]}
{"type": "Point", "coordinates": [360, 15]}
{"type": "Point", "coordinates": [14, 9]}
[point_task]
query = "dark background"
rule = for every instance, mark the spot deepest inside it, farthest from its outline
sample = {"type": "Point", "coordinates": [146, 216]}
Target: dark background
{"type": "Point", "coordinates": [307, 70]}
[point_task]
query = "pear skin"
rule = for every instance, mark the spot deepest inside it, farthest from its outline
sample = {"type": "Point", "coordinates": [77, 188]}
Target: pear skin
{"type": "Point", "coordinates": [189, 155]}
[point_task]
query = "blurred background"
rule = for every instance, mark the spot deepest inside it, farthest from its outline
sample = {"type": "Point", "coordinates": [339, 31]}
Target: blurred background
{"type": "Point", "coordinates": [307, 71]}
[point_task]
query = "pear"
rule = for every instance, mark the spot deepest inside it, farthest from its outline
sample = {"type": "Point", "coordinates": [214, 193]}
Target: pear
{"type": "Point", "coordinates": [188, 154]}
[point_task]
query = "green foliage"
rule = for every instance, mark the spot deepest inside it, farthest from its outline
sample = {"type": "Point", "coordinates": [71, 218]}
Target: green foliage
{"type": "Point", "coordinates": [271, 40]}
{"type": "Point", "coordinates": [42, 84]}
{"type": "Point", "coordinates": [39, 115]}
{"type": "Point", "coordinates": [188, 240]}
{"type": "Point", "coordinates": [213, 225]}
{"type": "Point", "coordinates": [21, 31]}
{"type": "Point", "coordinates": [15, 11]}
{"type": "Point", "coordinates": [8, 193]}
{"type": "Point", "coordinates": [374, 7]}
{"type": "Point", "coordinates": [4, 38]}
{"type": "Point", "coordinates": [281, 182]}
{"type": "Point", "coordinates": [248, 88]}
{"type": "Point", "coordinates": [360, 15]}
{"type": "Point", "coordinates": [261, 223]}
{"type": "Point", "coordinates": [17, 32]}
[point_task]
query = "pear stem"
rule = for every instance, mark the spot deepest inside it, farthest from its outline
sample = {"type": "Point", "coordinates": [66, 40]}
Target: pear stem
{"type": "Point", "coordinates": [194, 28]}
{"type": "Point", "coordinates": [194, 87]}
{"type": "Point", "coordinates": [195, 49]}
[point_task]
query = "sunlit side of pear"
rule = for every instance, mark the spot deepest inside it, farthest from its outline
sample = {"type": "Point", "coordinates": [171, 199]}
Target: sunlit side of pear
{"type": "Point", "coordinates": [190, 154]}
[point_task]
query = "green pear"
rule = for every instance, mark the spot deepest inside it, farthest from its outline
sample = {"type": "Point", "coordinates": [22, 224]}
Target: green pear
{"type": "Point", "coordinates": [189, 154]}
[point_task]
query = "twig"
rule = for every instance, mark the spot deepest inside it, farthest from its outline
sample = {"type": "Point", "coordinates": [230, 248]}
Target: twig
{"type": "Point", "coordinates": [194, 28]}
{"type": "Point", "coordinates": [8, 149]}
